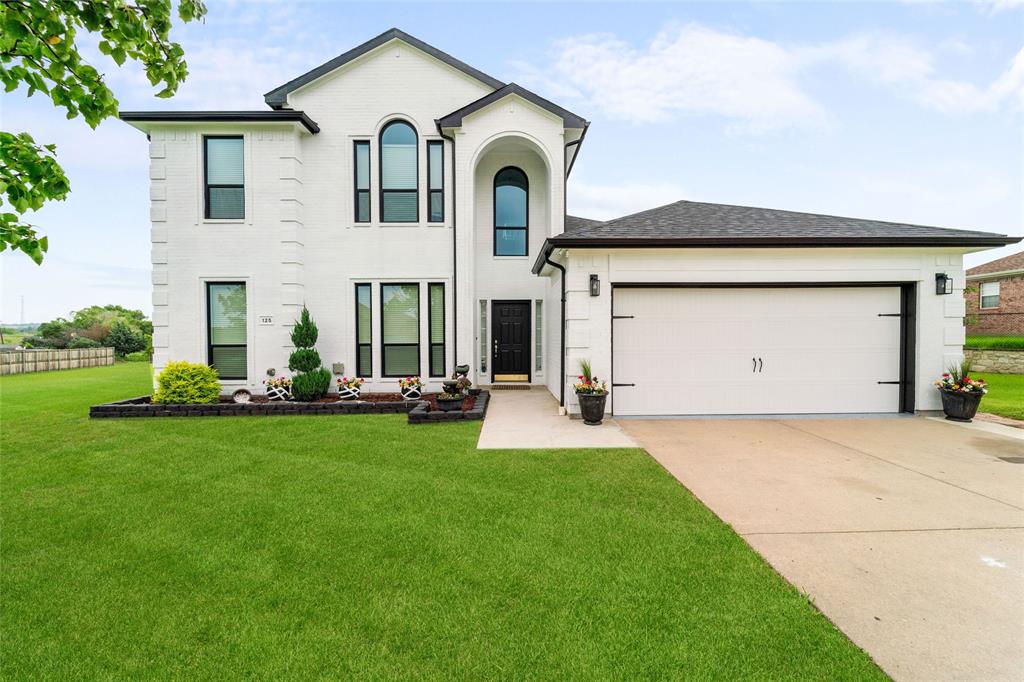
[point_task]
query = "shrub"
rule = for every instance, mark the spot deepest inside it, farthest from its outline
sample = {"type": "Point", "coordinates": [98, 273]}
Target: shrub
{"type": "Point", "coordinates": [310, 386]}
{"type": "Point", "coordinates": [187, 383]}
{"type": "Point", "coordinates": [125, 339]}
{"type": "Point", "coordinates": [83, 342]}
{"type": "Point", "coordinates": [140, 356]}
{"type": "Point", "coordinates": [304, 360]}
{"type": "Point", "coordinates": [304, 333]}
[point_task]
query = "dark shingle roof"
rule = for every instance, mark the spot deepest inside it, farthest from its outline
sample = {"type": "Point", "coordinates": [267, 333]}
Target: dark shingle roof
{"type": "Point", "coordinates": [697, 224]}
{"type": "Point", "coordinates": [1015, 261]}
{"type": "Point", "coordinates": [569, 119]}
{"type": "Point", "coordinates": [573, 223]}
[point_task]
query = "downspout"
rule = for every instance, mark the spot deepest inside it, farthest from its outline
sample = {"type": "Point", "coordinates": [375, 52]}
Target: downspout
{"type": "Point", "coordinates": [455, 249]}
{"type": "Point", "coordinates": [561, 361]}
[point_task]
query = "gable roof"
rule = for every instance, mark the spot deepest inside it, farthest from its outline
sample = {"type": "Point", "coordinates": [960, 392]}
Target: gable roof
{"type": "Point", "coordinates": [696, 224]}
{"type": "Point", "coordinates": [575, 222]}
{"type": "Point", "coordinates": [278, 97]}
{"type": "Point", "coordinates": [569, 119]}
{"type": "Point", "coordinates": [1012, 263]}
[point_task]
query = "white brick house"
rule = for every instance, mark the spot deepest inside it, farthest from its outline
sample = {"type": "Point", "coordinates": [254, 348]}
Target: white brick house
{"type": "Point", "coordinates": [416, 206]}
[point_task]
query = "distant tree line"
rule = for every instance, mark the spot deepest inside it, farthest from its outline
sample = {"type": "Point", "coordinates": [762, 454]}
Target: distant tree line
{"type": "Point", "coordinates": [126, 331]}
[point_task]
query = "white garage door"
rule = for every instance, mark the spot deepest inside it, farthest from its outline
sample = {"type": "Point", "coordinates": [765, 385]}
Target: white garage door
{"type": "Point", "coordinates": [756, 351]}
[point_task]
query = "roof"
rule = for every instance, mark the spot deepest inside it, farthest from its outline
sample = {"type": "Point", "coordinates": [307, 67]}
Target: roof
{"type": "Point", "coordinates": [283, 116]}
{"type": "Point", "coordinates": [278, 97]}
{"type": "Point", "coordinates": [696, 224]}
{"type": "Point", "coordinates": [569, 119]}
{"type": "Point", "coordinates": [575, 222]}
{"type": "Point", "coordinates": [1012, 263]}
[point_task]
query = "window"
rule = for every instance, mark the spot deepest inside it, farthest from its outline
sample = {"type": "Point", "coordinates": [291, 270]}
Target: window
{"type": "Point", "coordinates": [436, 329]}
{"type": "Point", "coordinates": [483, 337]}
{"type": "Point", "coordinates": [538, 351]}
{"type": "Point", "coordinates": [364, 333]}
{"type": "Point", "coordinates": [400, 329]}
{"type": "Point", "coordinates": [362, 181]}
{"type": "Point", "coordinates": [435, 181]}
{"type": "Point", "coordinates": [399, 175]}
{"type": "Point", "coordinates": [510, 212]}
{"type": "Point", "coordinates": [225, 182]}
{"type": "Point", "coordinates": [990, 294]}
{"type": "Point", "coordinates": [226, 329]}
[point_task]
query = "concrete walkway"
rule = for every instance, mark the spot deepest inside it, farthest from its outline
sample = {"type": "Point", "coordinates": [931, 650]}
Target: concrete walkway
{"type": "Point", "coordinates": [907, 533]}
{"type": "Point", "coordinates": [529, 420]}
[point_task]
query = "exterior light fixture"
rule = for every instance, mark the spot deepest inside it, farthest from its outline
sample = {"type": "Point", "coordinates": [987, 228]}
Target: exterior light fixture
{"type": "Point", "coordinates": [943, 284]}
{"type": "Point", "coordinates": [595, 286]}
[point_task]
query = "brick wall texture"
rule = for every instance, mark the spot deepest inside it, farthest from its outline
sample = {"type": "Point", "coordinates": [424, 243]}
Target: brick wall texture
{"type": "Point", "coordinates": [1007, 319]}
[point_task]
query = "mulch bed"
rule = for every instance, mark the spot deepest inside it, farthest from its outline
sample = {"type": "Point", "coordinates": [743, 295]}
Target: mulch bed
{"type": "Point", "coordinates": [431, 398]}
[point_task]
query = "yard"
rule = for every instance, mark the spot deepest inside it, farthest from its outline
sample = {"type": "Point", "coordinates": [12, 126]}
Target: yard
{"type": "Point", "coordinates": [1005, 395]}
{"type": "Point", "coordinates": [348, 546]}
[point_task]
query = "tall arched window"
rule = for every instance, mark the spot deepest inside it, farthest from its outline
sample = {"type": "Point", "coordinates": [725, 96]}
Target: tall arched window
{"type": "Point", "coordinates": [511, 212]}
{"type": "Point", "coordinates": [399, 175]}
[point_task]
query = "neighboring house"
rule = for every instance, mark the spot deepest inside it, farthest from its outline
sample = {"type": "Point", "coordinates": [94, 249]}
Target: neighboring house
{"type": "Point", "coordinates": [995, 297]}
{"type": "Point", "coordinates": [417, 207]}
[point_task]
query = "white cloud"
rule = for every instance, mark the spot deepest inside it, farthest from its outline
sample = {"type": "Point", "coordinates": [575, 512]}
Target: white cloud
{"type": "Point", "coordinates": [604, 202]}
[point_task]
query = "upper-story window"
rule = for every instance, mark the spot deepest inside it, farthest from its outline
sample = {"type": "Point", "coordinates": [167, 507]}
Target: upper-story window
{"type": "Point", "coordinates": [990, 294]}
{"type": "Point", "coordinates": [224, 177]}
{"type": "Point", "coordinates": [362, 180]}
{"type": "Point", "coordinates": [399, 175]}
{"type": "Point", "coordinates": [511, 210]}
{"type": "Point", "coordinates": [435, 181]}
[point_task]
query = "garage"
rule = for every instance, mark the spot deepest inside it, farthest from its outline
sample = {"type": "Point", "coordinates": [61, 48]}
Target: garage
{"type": "Point", "coordinates": [745, 349]}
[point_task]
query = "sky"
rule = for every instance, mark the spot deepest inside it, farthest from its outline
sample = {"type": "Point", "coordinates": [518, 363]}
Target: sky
{"type": "Point", "coordinates": [905, 111]}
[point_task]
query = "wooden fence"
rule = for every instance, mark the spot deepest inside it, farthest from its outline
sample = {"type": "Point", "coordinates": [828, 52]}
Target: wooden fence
{"type": "Point", "coordinates": [44, 360]}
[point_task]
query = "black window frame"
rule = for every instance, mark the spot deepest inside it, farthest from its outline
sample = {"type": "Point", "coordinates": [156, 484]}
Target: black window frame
{"type": "Point", "coordinates": [356, 192]}
{"type": "Point", "coordinates": [494, 217]}
{"type": "Point", "coordinates": [419, 339]}
{"type": "Point", "coordinates": [206, 176]}
{"type": "Point", "coordinates": [363, 347]}
{"type": "Point", "coordinates": [380, 172]}
{"type": "Point", "coordinates": [430, 190]}
{"type": "Point", "coordinates": [209, 331]}
{"type": "Point", "coordinates": [435, 372]}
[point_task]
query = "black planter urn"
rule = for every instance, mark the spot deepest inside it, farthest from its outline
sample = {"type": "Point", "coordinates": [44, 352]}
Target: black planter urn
{"type": "Point", "coordinates": [449, 405]}
{"type": "Point", "coordinates": [592, 407]}
{"type": "Point", "coordinates": [960, 407]}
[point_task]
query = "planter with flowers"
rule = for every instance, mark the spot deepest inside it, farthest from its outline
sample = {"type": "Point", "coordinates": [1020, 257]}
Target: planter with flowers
{"type": "Point", "coordinates": [279, 388]}
{"type": "Point", "coordinates": [349, 388]}
{"type": "Point", "coordinates": [592, 393]}
{"type": "Point", "coordinates": [411, 387]}
{"type": "Point", "coordinates": [961, 393]}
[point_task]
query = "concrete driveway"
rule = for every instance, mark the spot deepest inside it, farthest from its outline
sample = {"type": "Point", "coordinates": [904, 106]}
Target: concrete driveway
{"type": "Point", "coordinates": [908, 533]}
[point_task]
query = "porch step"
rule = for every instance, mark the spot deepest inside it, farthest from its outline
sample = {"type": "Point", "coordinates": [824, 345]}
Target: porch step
{"type": "Point", "coordinates": [509, 387]}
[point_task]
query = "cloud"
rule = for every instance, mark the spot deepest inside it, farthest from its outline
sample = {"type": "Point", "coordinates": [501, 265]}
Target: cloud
{"type": "Point", "coordinates": [604, 202]}
{"type": "Point", "coordinates": [757, 85]}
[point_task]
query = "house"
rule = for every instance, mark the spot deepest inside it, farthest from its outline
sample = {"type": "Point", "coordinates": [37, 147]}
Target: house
{"type": "Point", "coordinates": [995, 297]}
{"type": "Point", "coordinates": [417, 206]}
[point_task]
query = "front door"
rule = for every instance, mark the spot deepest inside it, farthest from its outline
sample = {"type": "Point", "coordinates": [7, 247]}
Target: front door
{"type": "Point", "coordinates": [510, 328]}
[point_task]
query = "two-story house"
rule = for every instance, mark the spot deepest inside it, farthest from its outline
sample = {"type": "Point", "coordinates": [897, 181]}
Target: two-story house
{"type": "Point", "coordinates": [995, 297]}
{"type": "Point", "coordinates": [417, 207]}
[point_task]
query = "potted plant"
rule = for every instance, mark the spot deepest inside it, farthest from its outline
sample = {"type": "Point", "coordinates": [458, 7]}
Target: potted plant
{"type": "Point", "coordinates": [592, 394]}
{"type": "Point", "coordinates": [349, 388]}
{"type": "Point", "coordinates": [459, 383]}
{"type": "Point", "coordinates": [961, 393]}
{"type": "Point", "coordinates": [411, 387]}
{"type": "Point", "coordinates": [450, 402]}
{"type": "Point", "coordinates": [278, 388]}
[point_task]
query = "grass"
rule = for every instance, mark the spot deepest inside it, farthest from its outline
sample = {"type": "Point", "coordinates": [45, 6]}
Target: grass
{"type": "Point", "coordinates": [995, 342]}
{"type": "Point", "coordinates": [333, 547]}
{"type": "Point", "coordinates": [1005, 395]}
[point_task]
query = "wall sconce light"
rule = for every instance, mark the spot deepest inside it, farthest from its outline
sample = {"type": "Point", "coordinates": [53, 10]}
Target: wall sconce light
{"type": "Point", "coordinates": [595, 286]}
{"type": "Point", "coordinates": [943, 284]}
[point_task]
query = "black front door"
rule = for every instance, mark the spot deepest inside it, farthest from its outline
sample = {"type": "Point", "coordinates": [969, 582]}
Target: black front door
{"type": "Point", "coordinates": [510, 327]}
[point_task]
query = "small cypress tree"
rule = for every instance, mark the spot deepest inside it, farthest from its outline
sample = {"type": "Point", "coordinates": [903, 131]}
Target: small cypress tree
{"type": "Point", "coordinates": [311, 380]}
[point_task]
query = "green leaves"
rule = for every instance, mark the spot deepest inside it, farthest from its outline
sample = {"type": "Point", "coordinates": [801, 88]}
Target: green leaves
{"type": "Point", "coordinates": [38, 50]}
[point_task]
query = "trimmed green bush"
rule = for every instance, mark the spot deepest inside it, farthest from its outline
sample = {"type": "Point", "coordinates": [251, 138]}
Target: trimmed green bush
{"type": "Point", "coordinates": [304, 333]}
{"type": "Point", "coordinates": [310, 386]}
{"type": "Point", "coordinates": [304, 360]}
{"type": "Point", "coordinates": [140, 356]}
{"type": "Point", "coordinates": [995, 342]}
{"type": "Point", "coordinates": [185, 383]}
{"type": "Point", "coordinates": [83, 342]}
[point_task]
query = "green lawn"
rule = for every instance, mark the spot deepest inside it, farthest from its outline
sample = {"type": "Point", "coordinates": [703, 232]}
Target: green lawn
{"type": "Point", "coordinates": [333, 547]}
{"type": "Point", "coordinates": [995, 342]}
{"type": "Point", "coordinates": [1005, 395]}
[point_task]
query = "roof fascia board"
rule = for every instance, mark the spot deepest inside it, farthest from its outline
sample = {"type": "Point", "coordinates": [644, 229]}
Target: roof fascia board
{"type": "Point", "coordinates": [569, 119]}
{"type": "Point", "coordinates": [997, 274]}
{"type": "Point", "coordinates": [145, 119]}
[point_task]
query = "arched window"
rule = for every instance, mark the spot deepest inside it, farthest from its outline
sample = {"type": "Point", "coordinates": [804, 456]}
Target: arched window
{"type": "Point", "coordinates": [511, 212]}
{"type": "Point", "coordinates": [399, 175]}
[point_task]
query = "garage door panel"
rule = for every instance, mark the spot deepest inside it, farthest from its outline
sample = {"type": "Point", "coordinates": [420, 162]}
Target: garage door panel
{"type": "Point", "coordinates": [756, 351]}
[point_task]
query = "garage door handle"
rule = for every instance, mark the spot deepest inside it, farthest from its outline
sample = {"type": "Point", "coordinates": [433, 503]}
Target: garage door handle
{"type": "Point", "coordinates": [754, 368]}
{"type": "Point", "coordinates": [760, 366]}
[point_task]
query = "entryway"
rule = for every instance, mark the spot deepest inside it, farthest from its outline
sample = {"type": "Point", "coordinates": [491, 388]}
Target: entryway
{"type": "Point", "coordinates": [510, 341]}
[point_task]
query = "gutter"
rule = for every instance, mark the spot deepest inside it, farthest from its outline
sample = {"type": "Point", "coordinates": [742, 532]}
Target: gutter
{"type": "Point", "coordinates": [455, 260]}
{"type": "Point", "coordinates": [561, 359]}
{"type": "Point", "coordinates": [995, 275]}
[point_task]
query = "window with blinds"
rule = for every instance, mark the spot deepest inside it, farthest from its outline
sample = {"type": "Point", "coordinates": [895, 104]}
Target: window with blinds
{"type": "Point", "coordinates": [990, 294]}
{"type": "Point", "coordinates": [435, 181]}
{"type": "Point", "coordinates": [538, 351]}
{"type": "Point", "coordinates": [483, 336]}
{"type": "Point", "coordinates": [511, 211]}
{"type": "Point", "coordinates": [364, 333]}
{"type": "Point", "coordinates": [399, 174]}
{"type": "Point", "coordinates": [362, 180]}
{"type": "Point", "coordinates": [437, 353]}
{"type": "Point", "coordinates": [400, 329]}
{"type": "Point", "coordinates": [226, 329]}
{"type": "Point", "coordinates": [224, 177]}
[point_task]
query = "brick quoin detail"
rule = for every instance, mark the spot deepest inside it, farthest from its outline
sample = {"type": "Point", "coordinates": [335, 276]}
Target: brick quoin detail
{"type": "Point", "coordinates": [1007, 319]}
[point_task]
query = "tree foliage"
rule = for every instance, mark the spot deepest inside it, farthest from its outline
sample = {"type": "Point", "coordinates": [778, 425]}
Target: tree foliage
{"type": "Point", "coordinates": [124, 329]}
{"type": "Point", "coordinates": [311, 381]}
{"type": "Point", "coordinates": [38, 51]}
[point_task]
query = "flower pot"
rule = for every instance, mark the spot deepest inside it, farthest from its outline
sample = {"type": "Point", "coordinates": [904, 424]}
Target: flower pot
{"type": "Point", "coordinates": [348, 392]}
{"type": "Point", "coordinates": [278, 393]}
{"type": "Point", "coordinates": [411, 392]}
{"type": "Point", "coordinates": [449, 405]}
{"type": "Point", "coordinates": [592, 407]}
{"type": "Point", "coordinates": [958, 406]}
